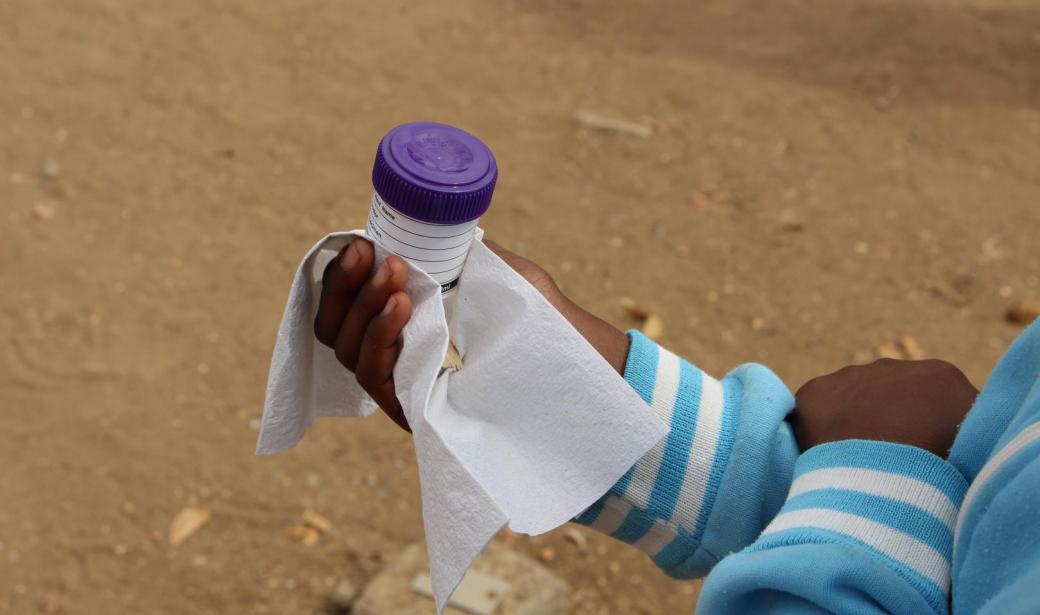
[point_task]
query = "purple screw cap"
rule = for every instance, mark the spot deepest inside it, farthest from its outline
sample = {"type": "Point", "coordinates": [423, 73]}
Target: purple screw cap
{"type": "Point", "coordinates": [435, 173]}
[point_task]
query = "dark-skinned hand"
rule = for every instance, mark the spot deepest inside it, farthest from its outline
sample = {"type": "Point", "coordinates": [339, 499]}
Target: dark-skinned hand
{"type": "Point", "coordinates": [362, 312]}
{"type": "Point", "coordinates": [920, 403]}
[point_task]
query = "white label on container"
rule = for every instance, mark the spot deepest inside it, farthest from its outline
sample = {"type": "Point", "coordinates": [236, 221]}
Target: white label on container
{"type": "Point", "coordinates": [438, 249]}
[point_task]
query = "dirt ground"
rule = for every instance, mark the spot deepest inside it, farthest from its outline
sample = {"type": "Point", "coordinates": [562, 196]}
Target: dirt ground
{"type": "Point", "coordinates": [823, 176]}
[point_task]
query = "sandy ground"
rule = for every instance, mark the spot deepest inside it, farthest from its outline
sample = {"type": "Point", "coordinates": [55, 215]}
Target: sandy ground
{"type": "Point", "coordinates": [824, 176]}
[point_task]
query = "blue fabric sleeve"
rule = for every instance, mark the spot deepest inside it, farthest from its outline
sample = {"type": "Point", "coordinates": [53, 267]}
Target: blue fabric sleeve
{"type": "Point", "coordinates": [718, 477]}
{"type": "Point", "coordinates": [867, 527]}
{"type": "Point", "coordinates": [996, 555]}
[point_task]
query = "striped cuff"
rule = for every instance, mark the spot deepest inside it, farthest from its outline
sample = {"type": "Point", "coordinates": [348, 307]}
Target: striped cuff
{"type": "Point", "coordinates": [898, 503]}
{"type": "Point", "coordinates": [662, 504]}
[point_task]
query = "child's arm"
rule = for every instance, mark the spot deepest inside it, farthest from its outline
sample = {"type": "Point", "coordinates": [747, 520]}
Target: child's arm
{"type": "Point", "coordinates": [719, 476]}
{"type": "Point", "coordinates": [867, 526]}
{"type": "Point", "coordinates": [723, 471]}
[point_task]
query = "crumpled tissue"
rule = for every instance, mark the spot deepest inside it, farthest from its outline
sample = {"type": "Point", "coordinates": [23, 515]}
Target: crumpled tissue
{"type": "Point", "coordinates": [531, 431]}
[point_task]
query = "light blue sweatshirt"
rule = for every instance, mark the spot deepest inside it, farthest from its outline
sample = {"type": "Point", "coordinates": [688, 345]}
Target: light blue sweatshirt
{"type": "Point", "coordinates": [847, 527]}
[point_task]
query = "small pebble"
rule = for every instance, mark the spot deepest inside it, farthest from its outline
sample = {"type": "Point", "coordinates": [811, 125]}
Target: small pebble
{"type": "Point", "coordinates": [51, 169]}
{"type": "Point", "coordinates": [1023, 313]}
{"type": "Point", "coordinates": [44, 210]}
{"type": "Point", "coordinates": [343, 596]}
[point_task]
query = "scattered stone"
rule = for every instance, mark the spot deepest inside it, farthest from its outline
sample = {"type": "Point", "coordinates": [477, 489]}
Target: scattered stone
{"type": "Point", "coordinates": [757, 324]}
{"type": "Point", "coordinates": [991, 251]}
{"type": "Point", "coordinates": [1023, 313]}
{"type": "Point", "coordinates": [533, 590]}
{"type": "Point", "coordinates": [547, 554]}
{"type": "Point", "coordinates": [50, 169]}
{"type": "Point", "coordinates": [186, 523]}
{"type": "Point", "coordinates": [477, 593]}
{"type": "Point", "coordinates": [342, 598]}
{"type": "Point", "coordinates": [790, 223]}
{"type": "Point", "coordinates": [128, 508]}
{"type": "Point", "coordinates": [44, 210]}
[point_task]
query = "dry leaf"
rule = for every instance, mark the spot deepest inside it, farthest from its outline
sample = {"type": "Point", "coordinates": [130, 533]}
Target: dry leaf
{"type": "Point", "coordinates": [316, 521]}
{"type": "Point", "coordinates": [650, 324]}
{"type": "Point", "coordinates": [888, 350]}
{"type": "Point", "coordinates": [599, 122]}
{"type": "Point", "coordinates": [186, 523]}
{"type": "Point", "coordinates": [905, 348]}
{"type": "Point", "coordinates": [956, 292]}
{"type": "Point", "coordinates": [305, 534]}
{"type": "Point", "coordinates": [576, 536]}
{"type": "Point", "coordinates": [1023, 313]}
{"type": "Point", "coordinates": [633, 310]}
{"type": "Point", "coordinates": [452, 360]}
{"type": "Point", "coordinates": [310, 530]}
{"type": "Point", "coordinates": [912, 348]}
{"type": "Point", "coordinates": [653, 326]}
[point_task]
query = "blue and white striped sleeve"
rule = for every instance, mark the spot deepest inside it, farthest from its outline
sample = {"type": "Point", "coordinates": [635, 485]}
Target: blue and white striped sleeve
{"type": "Point", "coordinates": [710, 486]}
{"type": "Point", "coordinates": [867, 527]}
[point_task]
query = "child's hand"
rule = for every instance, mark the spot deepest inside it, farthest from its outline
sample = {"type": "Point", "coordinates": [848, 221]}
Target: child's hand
{"type": "Point", "coordinates": [361, 314]}
{"type": "Point", "coordinates": [920, 403]}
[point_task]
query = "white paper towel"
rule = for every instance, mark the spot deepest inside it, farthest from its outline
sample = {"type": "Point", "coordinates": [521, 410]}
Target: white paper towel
{"type": "Point", "coordinates": [533, 429]}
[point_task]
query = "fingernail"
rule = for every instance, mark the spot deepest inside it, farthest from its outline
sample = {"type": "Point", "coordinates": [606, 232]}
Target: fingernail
{"type": "Point", "coordinates": [381, 275]}
{"type": "Point", "coordinates": [351, 257]}
{"type": "Point", "coordinates": [391, 303]}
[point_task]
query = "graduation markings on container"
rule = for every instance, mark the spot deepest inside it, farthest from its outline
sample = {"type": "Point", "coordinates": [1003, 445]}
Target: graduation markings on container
{"type": "Point", "coordinates": [438, 249]}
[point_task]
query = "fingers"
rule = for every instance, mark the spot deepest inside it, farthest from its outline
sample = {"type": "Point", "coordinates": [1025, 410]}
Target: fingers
{"type": "Point", "coordinates": [388, 279]}
{"type": "Point", "coordinates": [378, 354]}
{"type": "Point", "coordinates": [341, 281]}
